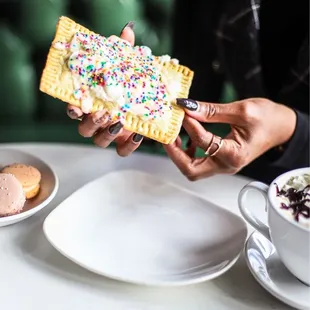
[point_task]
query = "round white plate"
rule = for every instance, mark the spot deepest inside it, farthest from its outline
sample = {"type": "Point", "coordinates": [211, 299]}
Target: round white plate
{"type": "Point", "coordinates": [49, 184]}
{"type": "Point", "coordinates": [267, 268]}
{"type": "Point", "coordinates": [131, 226]}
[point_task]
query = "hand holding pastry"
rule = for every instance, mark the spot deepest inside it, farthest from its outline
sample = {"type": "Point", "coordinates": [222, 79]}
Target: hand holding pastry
{"type": "Point", "coordinates": [254, 130]}
{"type": "Point", "coordinates": [122, 92]}
{"type": "Point", "coordinates": [98, 125]}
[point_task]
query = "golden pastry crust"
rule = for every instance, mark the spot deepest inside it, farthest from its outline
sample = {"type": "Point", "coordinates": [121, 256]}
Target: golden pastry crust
{"type": "Point", "coordinates": [57, 81]}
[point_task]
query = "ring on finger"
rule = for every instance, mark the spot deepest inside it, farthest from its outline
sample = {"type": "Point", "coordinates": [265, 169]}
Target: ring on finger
{"type": "Point", "coordinates": [216, 142]}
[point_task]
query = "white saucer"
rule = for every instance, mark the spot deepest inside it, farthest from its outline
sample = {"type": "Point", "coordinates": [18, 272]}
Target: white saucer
{"type": "Point", "coordinates": [267, 268]}
{"type": "Point", "coordinates": [134, 227]}
{"type": "Point", "coordinates": [48, 189]}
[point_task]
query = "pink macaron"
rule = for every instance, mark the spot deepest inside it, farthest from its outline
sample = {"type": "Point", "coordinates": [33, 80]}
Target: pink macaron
{"type": "Point", "coordinates": [12, 196]}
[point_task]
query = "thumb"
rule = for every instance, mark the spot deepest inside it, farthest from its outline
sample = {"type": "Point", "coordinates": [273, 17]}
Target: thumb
{"type": "Point", "coordinates": [128, 34]}
{"type": "Point", "coordinates": [208, 112]}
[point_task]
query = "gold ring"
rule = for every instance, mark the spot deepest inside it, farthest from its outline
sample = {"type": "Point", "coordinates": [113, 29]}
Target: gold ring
{"type": "Point", "coordinates": [218, 141]}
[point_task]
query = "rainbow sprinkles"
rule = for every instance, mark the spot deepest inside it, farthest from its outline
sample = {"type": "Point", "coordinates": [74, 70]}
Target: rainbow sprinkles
{"type": "Point", "coordinates": [114, 71]}
{"type": "Point", "coordinates": [139, 89]}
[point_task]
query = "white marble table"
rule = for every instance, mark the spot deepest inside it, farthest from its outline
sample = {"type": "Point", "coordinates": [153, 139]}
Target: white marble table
{"type": "Point", "coordinates": [34, 276]}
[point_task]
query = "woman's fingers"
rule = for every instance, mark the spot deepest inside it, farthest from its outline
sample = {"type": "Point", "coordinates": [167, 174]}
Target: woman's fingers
{"type": "Point", "coordinates": [93, 122]}
{"type": "Point", "coordinates": [190, 149]}
{"type": "Point", "coordinates": [193, 168]}
{"type": "Point", "coordinates": [229, 113]}
{"type": "Point", "coordinates": [98, 125]}
{"type": "Point", "coordinates": [189, 166]}
{"type": "Point", "coordinates": [228, 159]}
{"type": "Point", "coordinates": [179, 157]}
{"type": "Point", "coordinates": [198, 135]}
{"type": "Point", "coordinates": [128, 34]}
{"type": "Point", "coordinates": [74, 112]}
{"type": "Point", "coordinates": [130, 145]}
{"type": "Point", "coordinates": [105, 137]}
{"type": "Point", "coordinates": [229, 154]}
{"type": "Point", "coordinates": [178, 142]}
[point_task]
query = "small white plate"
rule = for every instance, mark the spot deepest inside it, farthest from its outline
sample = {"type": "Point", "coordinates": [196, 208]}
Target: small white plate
{"type": "Point", "coordinates": [267, 268]}
{"type": "Point", "coordinates": [133, 227]}
{"type": "Point", "coordinates": [49, 184]}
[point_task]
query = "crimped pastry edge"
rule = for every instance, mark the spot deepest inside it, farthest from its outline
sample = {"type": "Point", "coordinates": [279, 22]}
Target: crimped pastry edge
{"type": "Point", "coordinates": [51, 84]}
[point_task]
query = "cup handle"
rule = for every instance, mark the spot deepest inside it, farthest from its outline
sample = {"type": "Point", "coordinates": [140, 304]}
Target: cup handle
{"type": "Point", "coordinates": [247, 214]}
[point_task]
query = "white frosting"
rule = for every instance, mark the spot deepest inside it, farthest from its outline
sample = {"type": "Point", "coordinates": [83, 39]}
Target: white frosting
{"type": "Point", "coordinates": [87, 105]}
{"type": "Point", "coordinates": [60, 46]}
{"type": "Point", "coordinates": [297, 182]}
{"type": "Point", "coordinates": [112, 70]}
{"type": "Point", "coordinates": [167, 58]}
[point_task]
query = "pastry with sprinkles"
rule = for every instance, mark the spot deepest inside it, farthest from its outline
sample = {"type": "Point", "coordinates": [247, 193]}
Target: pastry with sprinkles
{"type": "Point", "coordinates": [94, 73]}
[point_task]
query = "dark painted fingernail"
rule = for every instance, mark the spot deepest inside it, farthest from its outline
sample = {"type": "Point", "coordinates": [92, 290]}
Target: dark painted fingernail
{"type": "Point", "coordinates": [137, 138]}
{"type": "Point", "coordinates": [189, 104]}
{"type": "Point", "coordinates": [188, 143]}
{"type": "Point", "coordinates": [72, 113]}
{"type": "Point", "coordinates": [115, 128]}
{"type": "Point", "coordinates": [129, 25]}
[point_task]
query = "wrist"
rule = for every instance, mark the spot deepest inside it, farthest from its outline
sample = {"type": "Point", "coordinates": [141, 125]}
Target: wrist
{"type": "Point", "coordinates": [286, 126]}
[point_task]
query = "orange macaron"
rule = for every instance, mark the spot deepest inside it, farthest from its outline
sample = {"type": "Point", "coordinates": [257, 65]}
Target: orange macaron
{"type": "Point", "coordinates": [28, 176]}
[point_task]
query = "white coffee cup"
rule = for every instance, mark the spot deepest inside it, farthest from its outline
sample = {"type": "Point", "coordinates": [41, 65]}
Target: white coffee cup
{"type": "Point", "coordinates": [291, 239]}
